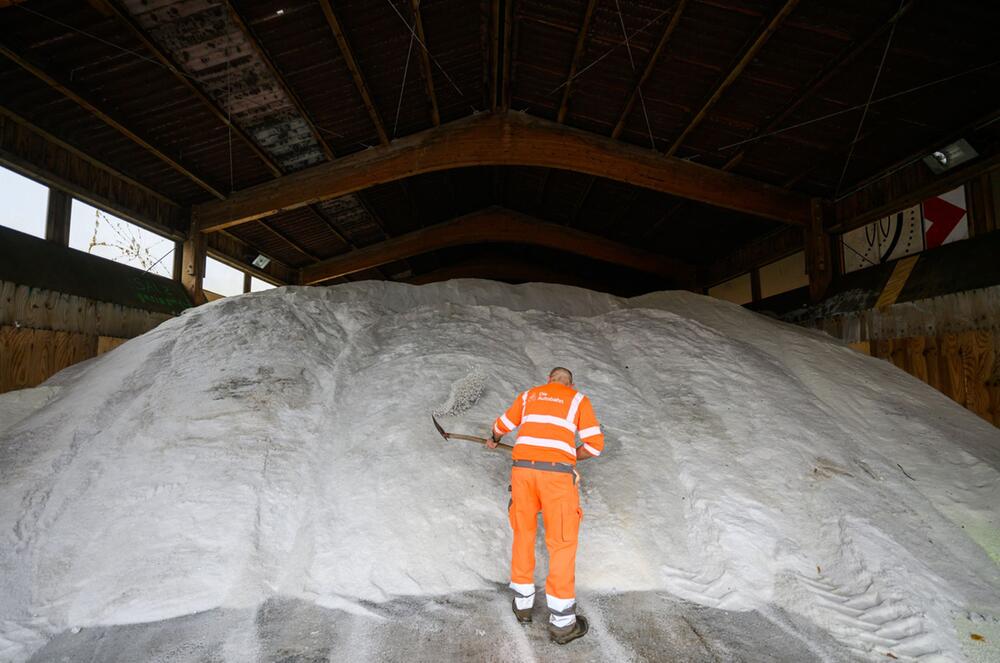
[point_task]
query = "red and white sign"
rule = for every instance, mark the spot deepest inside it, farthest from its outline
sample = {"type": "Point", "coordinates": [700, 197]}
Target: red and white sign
{"type": "Point", "coordinates": [945, 218]}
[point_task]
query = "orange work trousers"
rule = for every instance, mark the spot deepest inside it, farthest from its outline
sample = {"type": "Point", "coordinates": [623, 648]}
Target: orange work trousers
{"type": "Point", "coordinates": [555, 495]}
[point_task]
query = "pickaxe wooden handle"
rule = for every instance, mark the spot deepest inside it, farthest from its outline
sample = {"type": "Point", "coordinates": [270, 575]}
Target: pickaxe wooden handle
{"type": "Point", "coordinates": [470, 438]}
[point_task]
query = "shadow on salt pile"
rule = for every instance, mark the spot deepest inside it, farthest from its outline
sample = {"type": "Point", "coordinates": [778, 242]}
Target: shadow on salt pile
{"type": "Point", "coordinates": [470, 626]}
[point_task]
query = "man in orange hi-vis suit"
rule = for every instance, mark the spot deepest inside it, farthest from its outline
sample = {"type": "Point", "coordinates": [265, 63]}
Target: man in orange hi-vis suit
{"type": "Point", "coordinates": [544, 479]}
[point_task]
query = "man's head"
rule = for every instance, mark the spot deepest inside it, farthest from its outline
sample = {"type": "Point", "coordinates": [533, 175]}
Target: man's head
{"type": "Point", "coordinates": [561, 375]}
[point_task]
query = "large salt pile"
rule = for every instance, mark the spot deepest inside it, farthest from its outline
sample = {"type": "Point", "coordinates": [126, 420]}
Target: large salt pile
{"type": "Point", "coordinates": [280, 444]}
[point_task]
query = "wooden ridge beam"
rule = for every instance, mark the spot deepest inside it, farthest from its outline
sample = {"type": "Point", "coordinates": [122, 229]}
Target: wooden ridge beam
{"type": "Point", "coordinates": [167, 61]}
{"type": "Point", "coordinates": [733, 74]}
{"type": "Point", "coordinates": [255, 44]}
{"type": "Point", "coordinates": [498, 225]}
{"type": "Point", "coordinates": [94, 109]}
{"type": "Point", "coordinates": [581, 40]}
{"type": "Point", "coordinates": [511, 139]}
{"type": "Point", "coordinates": [647, 71]}
{"type": "Point", "coordinates": [352, 66]}
{"type": "Point", "coordinates": [425, 62]}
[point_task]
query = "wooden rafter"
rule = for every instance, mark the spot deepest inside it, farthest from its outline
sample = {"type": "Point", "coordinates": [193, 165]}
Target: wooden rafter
{"type": "Point", "coordinates": [909, 181]}
{"type": "Point", "coordinates": [505, 140]}
{"type": "Point", "coordinates": [255, 44]}
{"type": "Point", "coordinates": [734, 73]}
{"type": "Point", "coordinates": [425, 62]}
{"type": "Point", "coordinates": [108, 118]}
{"type": "Point", "coordinates": [80, 154]}
{"type": "Point", "coordinates": [515, 45]}
{"type": "Point", "coordinates": [581, 40]}
{"type": "Point", "coordinates": [498, 225]}
{"type": "Point", "coordinates": [818, 81]}
{"type": "Point", "coordinates": [647, 71]}
{"type": "Point", "coordinates": [286, 239]}
{"type": "Point", "coordinates": [822, 78]}
{"type": "Point", "coordinates": [317, 134]}
{"type": "Point", "coordinates": [508, 41]}
{"type": "Point", "coordinates": [223, 245]}
{"type": "Point", "coordinates": [352, 66]}
{"type": "Point", "coordinates": [494, 52]}
{"type": "Point", "coordinates": [164, 58]}
{"type": "Point", "coordinates": [125, 17]}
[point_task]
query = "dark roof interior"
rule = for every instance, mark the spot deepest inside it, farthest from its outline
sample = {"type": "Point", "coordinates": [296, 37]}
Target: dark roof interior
{"type": "Point", "coordinates": [277, 72]}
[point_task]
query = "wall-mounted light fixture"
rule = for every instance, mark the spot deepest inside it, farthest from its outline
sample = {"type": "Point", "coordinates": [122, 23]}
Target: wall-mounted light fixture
{"type": "Point", "coordinates": [261, 261]}
{"type": "Point", "coordinates": [950, 156]}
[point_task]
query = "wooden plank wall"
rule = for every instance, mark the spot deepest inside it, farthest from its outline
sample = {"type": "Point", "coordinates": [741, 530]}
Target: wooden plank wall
{"type": "Point", "coordinates": [964, 366]}
{"type": "Point", "coordinates": [43, 332]}
{"type": "Point", "coordinates": [24, 306]}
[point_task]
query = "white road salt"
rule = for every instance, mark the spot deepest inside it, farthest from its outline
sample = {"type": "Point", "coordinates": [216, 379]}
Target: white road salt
{"type": "Point", "coordinates": [280, 443]}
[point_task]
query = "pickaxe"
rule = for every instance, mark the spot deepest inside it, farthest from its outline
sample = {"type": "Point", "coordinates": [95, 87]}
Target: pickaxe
{"type": "Point", "coordinates": [471, 438]}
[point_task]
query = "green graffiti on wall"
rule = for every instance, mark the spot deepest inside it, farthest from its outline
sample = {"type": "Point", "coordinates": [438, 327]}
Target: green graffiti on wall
{"type": "Point", "coordinates": [153, 291]}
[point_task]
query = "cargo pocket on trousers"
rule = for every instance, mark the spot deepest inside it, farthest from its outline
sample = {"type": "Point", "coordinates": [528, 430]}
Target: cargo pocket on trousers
{"type": "Point", "coordinates": [570, 526]}
{"type": "Point", "coordinates": [510, 509]}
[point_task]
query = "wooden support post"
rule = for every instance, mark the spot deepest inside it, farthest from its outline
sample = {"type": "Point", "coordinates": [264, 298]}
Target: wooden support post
{"type": "Point", "coordinates": [755, 285]}
{"type": "Point", "coordinates": [246, 282]}
{"type": "Point", "coordinates": [57, 217]}
{"type": "Point", "coordinates": [178, 271]}
{"type": "Point", "coordinates": [984, 203]}
{"type": "Point", "coordinates": [819, 254]}
{"type": "Point", "coordinates": [195, 253]}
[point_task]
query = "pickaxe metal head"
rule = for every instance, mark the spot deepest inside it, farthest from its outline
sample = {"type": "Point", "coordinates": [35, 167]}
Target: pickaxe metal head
{"type": "Point", "coordinates": [438, 426]}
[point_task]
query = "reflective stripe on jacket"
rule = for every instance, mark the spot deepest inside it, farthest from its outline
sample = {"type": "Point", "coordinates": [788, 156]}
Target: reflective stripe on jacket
{"type": "Point", "coordinates": [550, 416]}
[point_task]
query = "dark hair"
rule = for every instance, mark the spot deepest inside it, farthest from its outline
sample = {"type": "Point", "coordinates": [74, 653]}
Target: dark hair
{"type": "Point", "coordinates": [559, 370]}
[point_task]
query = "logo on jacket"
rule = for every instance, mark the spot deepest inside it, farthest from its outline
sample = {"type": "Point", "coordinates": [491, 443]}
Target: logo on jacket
{"type": "Point", "coordinates": [552, 399]}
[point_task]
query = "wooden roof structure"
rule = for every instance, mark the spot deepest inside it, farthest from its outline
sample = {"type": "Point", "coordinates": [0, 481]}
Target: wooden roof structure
{"type": "Point", "coordinates": [623, 144]}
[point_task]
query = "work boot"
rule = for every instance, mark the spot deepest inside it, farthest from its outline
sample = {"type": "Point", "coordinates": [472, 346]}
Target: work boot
{"type": "Point", "coordinates": [523, 616]}
{"type": "Point", "coordinates": [567, 634]}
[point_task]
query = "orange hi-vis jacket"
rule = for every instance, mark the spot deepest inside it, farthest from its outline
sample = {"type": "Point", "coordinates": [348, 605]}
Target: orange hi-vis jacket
{"type": "Point", "coordinates": [550, 416]}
